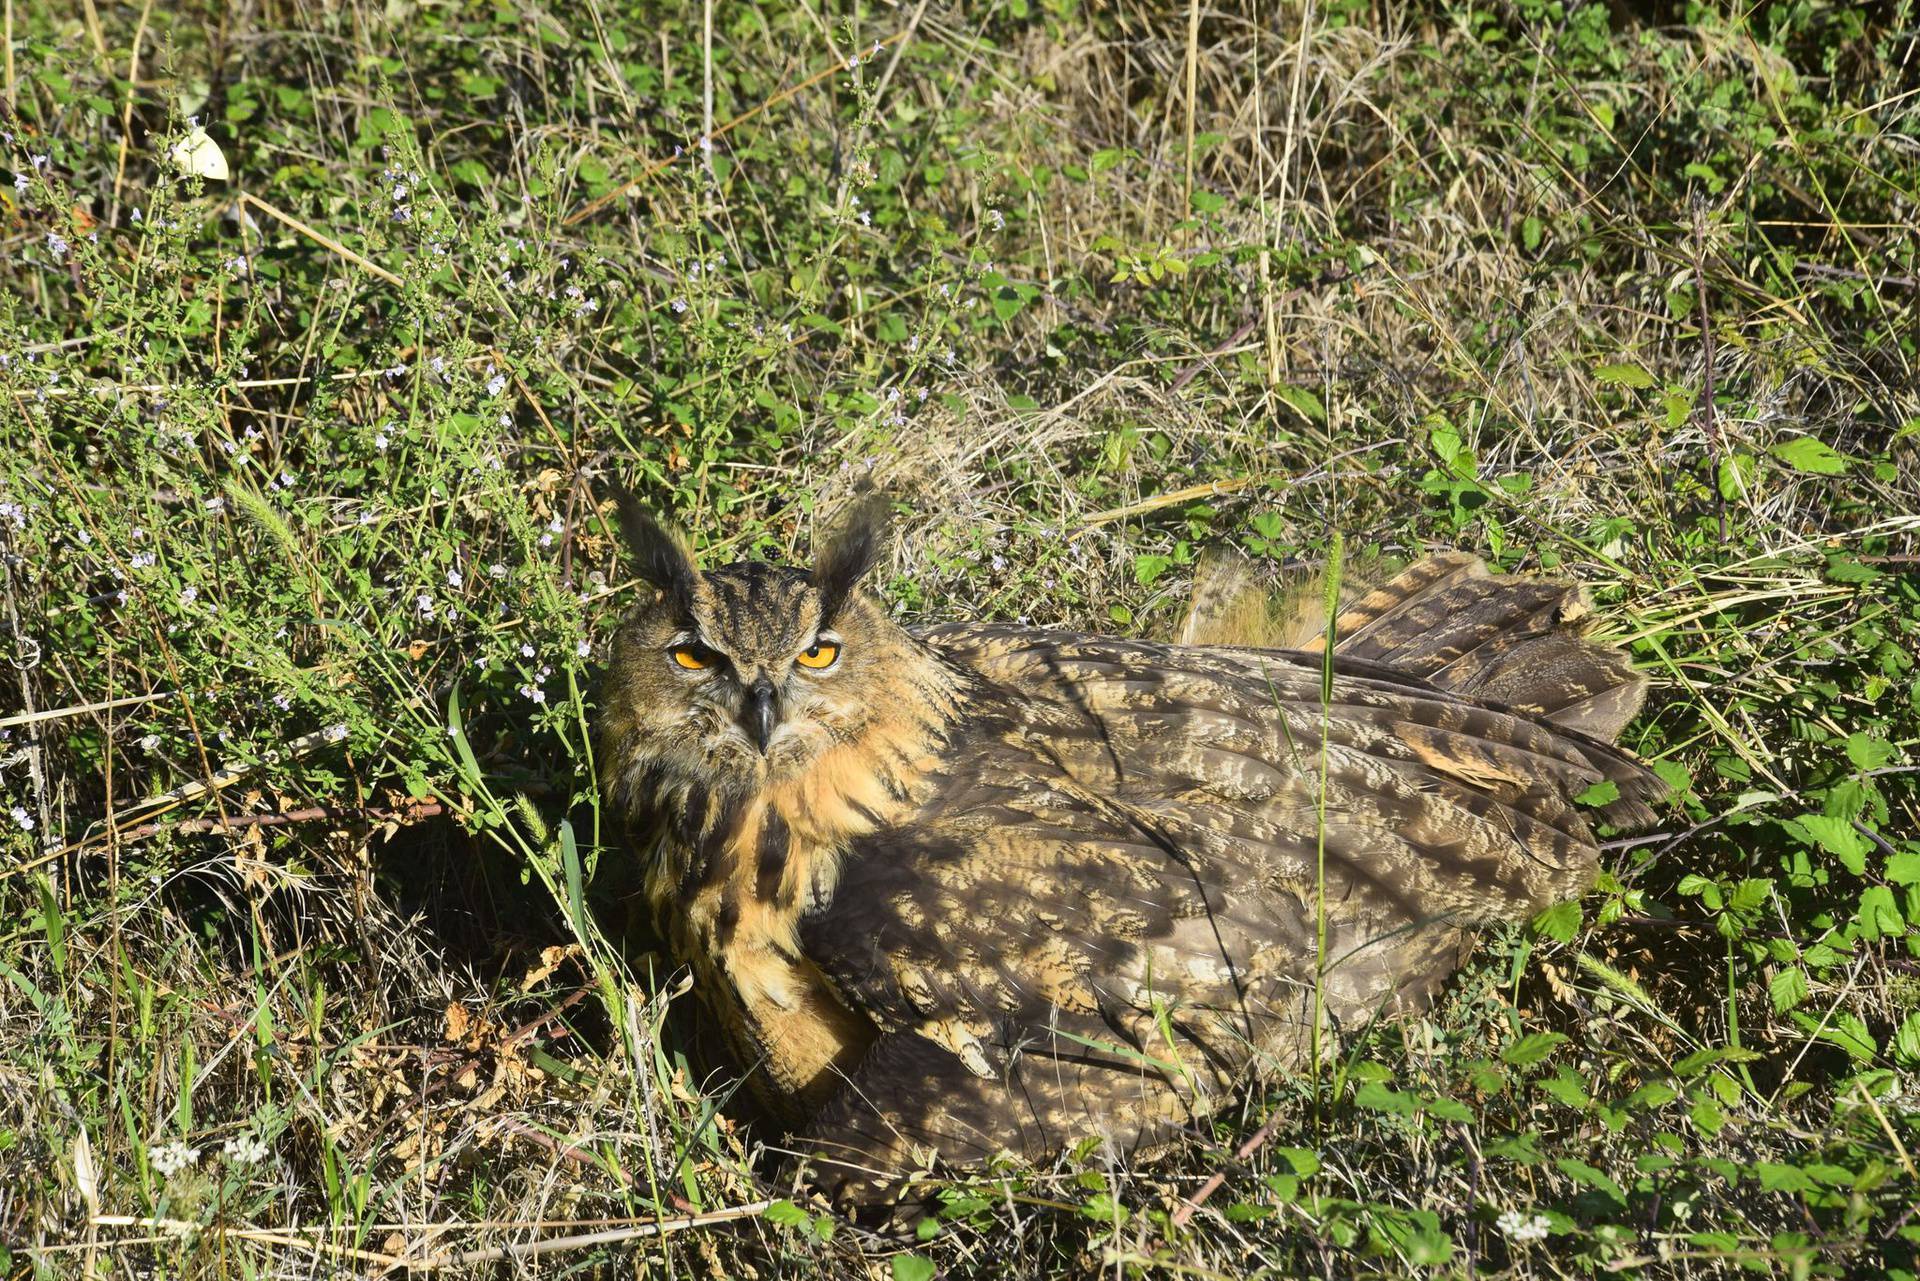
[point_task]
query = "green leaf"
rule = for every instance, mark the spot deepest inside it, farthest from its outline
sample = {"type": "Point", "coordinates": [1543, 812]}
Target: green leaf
{"type": "Point", "coordinates": [1809, 454]}
{"type": "Point", "coordinates": [1382, 1098]}
{"type": "Point", "coordinates": [1775, 1177]}
{"type": "Point", "coordinates": [1304, 1163]}
{"type": "Point", "coordinates": [1848, 1031]}
{"type": "Point", "coordinates": [1834, 835]}
{"type": "Point", "coordinates": [911, 1267]}
{"type": "Point", "coordinates": [1624, 375]}
{"type": "Point", "coordinates": [1845, 569]}
{"type": "Point", "coordinates": [1559, 922]}
{"type": "Point", "coordinates": [1304, 402]}
{"type": "Point", "coordinates": [1787, 988]}
{"type": "Point", "coordinates": [1904, 868]}
{"type": "Point", "coordinates": [1906, 1042]}
{"type": "Point", "coordinates": [1867, 751]}
{"type": "Point", "coordinates": [786, 1214]}
{"type": "Point", "coordinates": [1879, 915]}
{"type": "Point", "coordinates": [1653, 1094]}
{"type": "Point", "coordinates": [1532, 1048]}
{"type": "Point", "coordinates": [1148, 568]}
{"type": "Point", "coordinates": [1605, 792]}
{"type": "Point", "coordinates": [1524, 1148]}
{"type": "Point", "coordinates": [1567, 1087]}
{"type": "Point", "coordinates": [1593, 1178]}
{"type": "Point", "coordinates": [1734, 476]}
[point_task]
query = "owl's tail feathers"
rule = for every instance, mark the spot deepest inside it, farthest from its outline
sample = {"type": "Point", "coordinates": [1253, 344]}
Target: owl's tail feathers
{"type": "Point", "coordinates": [1512, 639]}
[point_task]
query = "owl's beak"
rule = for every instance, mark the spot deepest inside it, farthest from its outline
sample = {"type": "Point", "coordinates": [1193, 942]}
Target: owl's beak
{"type": "Point", "coordinates": [759, 716]}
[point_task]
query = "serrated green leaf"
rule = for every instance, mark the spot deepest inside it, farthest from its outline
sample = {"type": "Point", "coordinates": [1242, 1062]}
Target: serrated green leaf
{"type": "Point", "coordinates": [1834, 835]}
{"type": "Point", "coordinates": [1868, 751]}
{"type": "Point", "coordinates": [1787, 988]}
{"type": "Point", "coordinates": [1532, 1048]}
{"type": "Point", "coordinates": [1624, 375]}
{"type": "Point", "coordinates": [1593, 1178]}
{"type": "Point", "coordinates": [1384, 1098]}
{"type": "Point", "coordinates": [1559, 922]}
{"type": "Point", "coordinates": [1906, 1042]}
{"type": "Point", "coordinates": [1810, 454]}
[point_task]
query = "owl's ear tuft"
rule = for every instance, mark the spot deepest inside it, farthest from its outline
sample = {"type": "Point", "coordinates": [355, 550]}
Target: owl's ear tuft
{"type": "Point", "coordinates": [849, 552]}
{"type": "Point", "coordinates": [661, 554]}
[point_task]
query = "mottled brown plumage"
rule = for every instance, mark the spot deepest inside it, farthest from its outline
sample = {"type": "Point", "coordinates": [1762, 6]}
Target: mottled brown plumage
{"type": "Point", "coordinates": [983, 887]}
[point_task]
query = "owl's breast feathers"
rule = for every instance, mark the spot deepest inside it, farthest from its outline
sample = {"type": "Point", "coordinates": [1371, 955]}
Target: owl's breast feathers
{"type": "Point", "coordinates": [1087, 883]}
{"type": "Point", "coordinates": [734, 874]}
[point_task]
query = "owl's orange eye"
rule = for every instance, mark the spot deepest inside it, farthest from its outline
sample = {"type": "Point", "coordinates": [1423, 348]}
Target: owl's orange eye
{"type": "Point", "coordinates": [692, 657]}
{"type": "Point", "coordinates": [822, 654]}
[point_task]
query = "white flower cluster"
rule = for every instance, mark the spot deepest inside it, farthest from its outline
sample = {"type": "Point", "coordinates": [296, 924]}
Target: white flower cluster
{"type": "Point", "coordinates": [247, 1149]}
{"type": "Point", "coordinates": [168, 1159]}
{"type": "Point", "coordinates": [1522, 1229]}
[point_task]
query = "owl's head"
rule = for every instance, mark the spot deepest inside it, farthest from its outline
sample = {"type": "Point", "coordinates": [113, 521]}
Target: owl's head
{"type": "Point", "coordinates": [745, 675]}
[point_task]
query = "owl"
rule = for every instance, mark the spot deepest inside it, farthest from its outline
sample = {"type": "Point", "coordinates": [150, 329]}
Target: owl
{"type": "Point", "coordinates": [980, 888]}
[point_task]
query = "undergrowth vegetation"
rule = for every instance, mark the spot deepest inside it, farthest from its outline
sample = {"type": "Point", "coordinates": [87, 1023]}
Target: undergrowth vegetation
{"type": "Point", "coordinates": [324, 326]}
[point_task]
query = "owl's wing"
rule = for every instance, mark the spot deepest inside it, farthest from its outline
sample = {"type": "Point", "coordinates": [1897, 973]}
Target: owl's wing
{"type": "Point", "coordinates": [1118, 878]}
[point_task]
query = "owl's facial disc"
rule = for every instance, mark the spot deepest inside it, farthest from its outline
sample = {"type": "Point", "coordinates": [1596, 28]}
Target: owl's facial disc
{"type": "Point", "coordinates": [744, 676]}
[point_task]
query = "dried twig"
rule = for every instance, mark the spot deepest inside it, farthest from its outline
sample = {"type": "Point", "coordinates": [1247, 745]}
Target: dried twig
{"type": "Point", "coordinates": [1199, 1198]}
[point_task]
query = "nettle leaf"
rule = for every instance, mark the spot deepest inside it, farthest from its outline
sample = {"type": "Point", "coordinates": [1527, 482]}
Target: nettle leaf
{"type": "Point", "coordinates": [1304, 402]}
{"type": "Point", "coordinates": [1148, 568]}
{"type": "Point", "coordinates": [1845, 569]}
{"type": "Point", "coordinates": [1735, 475]}
{"type": "Point", "coordinates": [1304, 1163]}
{"type": "Point", "coordinates": [1524, 1148]}
{"type": "Point", "coordinates": [1810, 454]}
{"type": "Point", "coordinates": [1653, 1094]}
